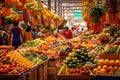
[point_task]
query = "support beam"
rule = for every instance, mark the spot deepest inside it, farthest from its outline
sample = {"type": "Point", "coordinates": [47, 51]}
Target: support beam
{"type": "Point", "coordinates": [55, 6]}
{"type": "Point", "coordinates": [72, 9]}
{"type": "Point", "coordinates": [59, 7]}
{"type": "Point", "coordinates": [63, 14]}
{"type": "Point", "coordinates": [71, 1]}
{"type": "Point", "coordinates": [49, 4]}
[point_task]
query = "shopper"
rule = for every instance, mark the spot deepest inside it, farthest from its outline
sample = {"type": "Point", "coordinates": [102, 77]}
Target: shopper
{"type": "Point", "coordinates": [16, 35]}
{"type": "Point", "coordinates": [28, 34]}
{"type": "Point", "coordinates": [67, 33]}
{"type": "Point", "coordinates": [74, 32]}
{"type": "Point", "coordinates": [35, 33]}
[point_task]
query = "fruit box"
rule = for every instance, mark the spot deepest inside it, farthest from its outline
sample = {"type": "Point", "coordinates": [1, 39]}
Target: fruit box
{"type": "Point", "coordinates": [109, 56]}
{"type": "Point", "coordinates": [75, 77]}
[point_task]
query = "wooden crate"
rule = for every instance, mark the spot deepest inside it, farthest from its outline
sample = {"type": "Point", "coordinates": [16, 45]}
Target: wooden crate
{"type": "Point", "coordinates": [52, 62]}
{"type": "Point", "coordinates": [75, 77]}
{"type": "Point", "coordinates": [52, 69]}
{"type": "Point", "coordinates": [40, 72]}
{"type": "Point", "coordinates": [52, 77]}
{"type": "Point", "coordinates": [33, 74]}
{"type": "Point", "coordinates": [109, 56]}
{"type": "Point", "coordinates": [45, 67]}
{"type": "Point", "coordinates": [62, 57]}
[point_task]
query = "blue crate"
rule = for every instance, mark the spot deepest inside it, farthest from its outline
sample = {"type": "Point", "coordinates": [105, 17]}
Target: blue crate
{"type": "Point", "coordinates": [98, 77]}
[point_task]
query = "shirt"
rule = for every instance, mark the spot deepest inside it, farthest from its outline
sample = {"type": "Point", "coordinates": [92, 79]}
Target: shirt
{"type": "Point", "coordinates": [28, 36]}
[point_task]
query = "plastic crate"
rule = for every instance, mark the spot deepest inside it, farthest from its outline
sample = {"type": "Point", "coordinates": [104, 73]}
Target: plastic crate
{"type": "Point", "coordinates": [102, 77]}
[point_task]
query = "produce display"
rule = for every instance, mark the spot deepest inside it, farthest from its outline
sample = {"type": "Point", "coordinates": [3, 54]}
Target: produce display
{"type": "Point", "coordinates": [81, 71]}
{"type": "Point", "coordinates": [76, 61]}
{"type": "Point", "coordinates": [34, 43]}
{"type": "Point", "coordinates": [82, 52]}
{"type": "Point", "coordinates": [115, 49]}
{"type": "Point", "coordinates": [35, 57]}
{"type": "Point", "coordinates": [8, 65]}
{"type": "Point", "coordinates": [21, 60]}
{"type": "Point", "coordinates": [107, 67]}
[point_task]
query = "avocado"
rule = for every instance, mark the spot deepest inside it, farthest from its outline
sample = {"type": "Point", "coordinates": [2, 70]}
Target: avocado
{"type": "Point", "coordinates": [91, 60]}
{"type": "Point", "coordinates": [70, 65]}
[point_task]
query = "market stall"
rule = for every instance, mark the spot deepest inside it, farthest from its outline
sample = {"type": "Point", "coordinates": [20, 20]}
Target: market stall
{"type": "Point", "coordinates": [92, 54]}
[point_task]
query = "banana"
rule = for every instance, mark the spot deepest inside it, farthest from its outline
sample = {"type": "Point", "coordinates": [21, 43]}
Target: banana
{"type": "Point", "coordinates": [86, 4]}
{"type": "Point", "coordinates": [61, 71]}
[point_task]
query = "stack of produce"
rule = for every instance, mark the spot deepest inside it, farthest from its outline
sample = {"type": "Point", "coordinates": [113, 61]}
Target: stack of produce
{"type": "Point", "coordinates": [66, 50]}
{"type": "Point", "coordinates": [19, 59]}
{"type": "Point", "coordinates": [35, 57]}
{"type": "Point", "coordinates": [76, 61]}
{"type": "Point", "coordinates": [34, 43]}
{"type": "Point", "coordinates": [8, 65]}
{"type": "Point", "coordinates": [107, 67]}
{"type": "Point", "coordinates": [5, 47]}
{"type": "Point", "coordinates": [115, 49]}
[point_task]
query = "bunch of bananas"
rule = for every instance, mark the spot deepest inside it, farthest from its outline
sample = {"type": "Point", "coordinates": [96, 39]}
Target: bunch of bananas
{"type": "Point", "coordinates": [86, 6]}
{"type": "Point", "coordinates": [64, 69]}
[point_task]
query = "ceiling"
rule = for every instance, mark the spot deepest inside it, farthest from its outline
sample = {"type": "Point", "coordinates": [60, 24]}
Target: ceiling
{"type": "Point", "coordinates": [64, 7]}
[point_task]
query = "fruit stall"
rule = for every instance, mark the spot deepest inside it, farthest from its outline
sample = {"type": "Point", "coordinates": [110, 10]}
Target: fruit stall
{"type": "Point", "coordinates": [92, 54]}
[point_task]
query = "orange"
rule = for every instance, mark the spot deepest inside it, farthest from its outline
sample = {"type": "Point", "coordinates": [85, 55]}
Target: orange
{"type": "Point", "coordinates": [111, 72]}
{"type": "Point", "coordinates": [101, 62]}
{"type": "Point", "coordinates": [119, 68]}
{"type": "Point", "coordinates": [103, 71]}
{"type": "Point", "coordinates": [107, 62]}
{"type": "Point", "coordinates": [112, 63]}
{"type": "Point", "coordinates": [117, 62]}
{"type": "Point", "coordinates": [110, 68]}
{"type": "Point", "coordinates": [105, 67]}
{"type": "Point", "coordinates": [98, 72]}
{"type": "Point", "coordinates": [99, 67]}
{"type": "Point", "coordinates": [95, 70]}
{"type": "Point", "coordinates": [116, 67]}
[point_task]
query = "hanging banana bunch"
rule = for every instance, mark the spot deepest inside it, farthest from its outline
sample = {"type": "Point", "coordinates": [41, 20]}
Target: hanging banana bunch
{"type": "Point", "coordinates": [86, 6]}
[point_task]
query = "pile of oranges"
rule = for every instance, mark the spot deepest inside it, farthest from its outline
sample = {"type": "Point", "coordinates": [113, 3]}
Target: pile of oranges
{"type": "Point", "coordinates": [107, 67]}
{"type": "Point", "coordinates": [18, 58]}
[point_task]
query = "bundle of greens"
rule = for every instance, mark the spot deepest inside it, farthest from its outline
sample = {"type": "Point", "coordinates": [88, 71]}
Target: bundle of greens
{"type": "Point", "coordinates": [96, 12]}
